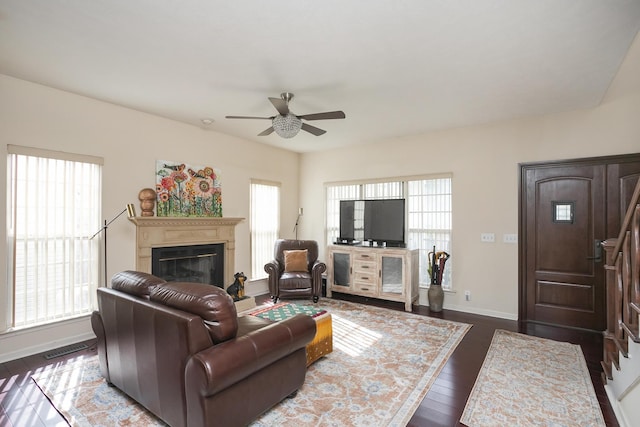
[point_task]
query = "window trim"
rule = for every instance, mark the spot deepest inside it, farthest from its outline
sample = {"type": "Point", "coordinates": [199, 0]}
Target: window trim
{"type": "Point", "coordinates": [52, 154]}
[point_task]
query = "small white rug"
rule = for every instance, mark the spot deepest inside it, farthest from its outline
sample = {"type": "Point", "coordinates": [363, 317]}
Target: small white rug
{"type": "Point", "coordinates": [529, 381]}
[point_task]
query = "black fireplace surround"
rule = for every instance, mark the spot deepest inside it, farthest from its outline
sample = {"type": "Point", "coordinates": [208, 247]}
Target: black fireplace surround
{"type": "Point", "coordinates": [194, 263]}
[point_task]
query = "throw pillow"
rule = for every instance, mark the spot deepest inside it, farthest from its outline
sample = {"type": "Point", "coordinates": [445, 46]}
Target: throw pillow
{"type": "Point", "coordinates": [295, 260]}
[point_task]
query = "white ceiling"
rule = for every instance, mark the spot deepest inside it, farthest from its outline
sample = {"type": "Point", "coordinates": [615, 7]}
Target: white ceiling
{"type": "Point", "coordinates": [395, 68]}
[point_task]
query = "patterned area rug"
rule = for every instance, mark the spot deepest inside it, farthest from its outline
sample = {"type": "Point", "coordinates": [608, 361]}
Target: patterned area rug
{"type": "Point", "coordinates": [383, 364]}
{"type": "Point", "coordinates": [79, 392]}
{"type": "Point", "coordinates": [530, 381]}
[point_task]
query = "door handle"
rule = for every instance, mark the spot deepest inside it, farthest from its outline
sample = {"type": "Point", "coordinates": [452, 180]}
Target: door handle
{"type": "Point", "coordinates": [597, 251]}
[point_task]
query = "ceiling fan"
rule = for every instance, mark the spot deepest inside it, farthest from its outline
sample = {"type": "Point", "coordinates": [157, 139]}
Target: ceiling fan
{"type": "Point", "coordinates": [286, 124]}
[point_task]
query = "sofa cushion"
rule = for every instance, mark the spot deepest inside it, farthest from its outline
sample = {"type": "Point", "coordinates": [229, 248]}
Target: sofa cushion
{"type": "Point", "coordinates": [212, 303]}
{"type": "Point", "coordinates": [135, 283]}
{"type": "Point", "coordinates": [295, 260]}
{"type": "Point", "coordinates": [246, 324]}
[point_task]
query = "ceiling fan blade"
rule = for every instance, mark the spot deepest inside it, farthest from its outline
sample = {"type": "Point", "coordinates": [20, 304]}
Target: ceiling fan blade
{"type": "Point", "coordinates": [248, 117]}
{"type": "Point", "coordinates": [312, 129]}
{"type": "Point", "coordinates": [324, 116]}
{"type": "Point", "coordinates": [266, 132]}
{"type": "Point", "coordinates": [281, 105]}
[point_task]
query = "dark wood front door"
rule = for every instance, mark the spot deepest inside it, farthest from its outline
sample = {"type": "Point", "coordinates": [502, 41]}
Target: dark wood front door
{"type": "Point", "coordinates": [566, 209]}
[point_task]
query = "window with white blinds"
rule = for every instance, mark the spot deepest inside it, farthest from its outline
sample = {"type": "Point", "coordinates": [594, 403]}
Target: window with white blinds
{"type": "Point", "coordinates": [53, 210]}
{"type": "Point", "coordinates": [265, 224]}
{"type": "Point", "coordinates": [335, 193]}
{"type": "Point", "coordinates": [429, 223]}
{"type": "Point", "coordinates": [428, 216]}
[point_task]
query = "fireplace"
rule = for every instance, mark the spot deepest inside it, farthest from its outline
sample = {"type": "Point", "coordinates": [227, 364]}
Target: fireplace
{"type": "Point", "coordinates": [179, 233]}
{"type": "Point", "coordinates": [193, 263]}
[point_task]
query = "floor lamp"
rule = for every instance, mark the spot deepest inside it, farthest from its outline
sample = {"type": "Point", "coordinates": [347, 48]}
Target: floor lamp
{"type": "Point", "coordinates": [131, 212]}
{"type": "Point", "coordinates": [295, 227]}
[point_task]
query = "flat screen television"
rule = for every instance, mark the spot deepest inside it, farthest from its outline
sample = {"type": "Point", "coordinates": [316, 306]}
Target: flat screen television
{"type": "Point", "coordinates": [384, 221]}
{"type": "Point", "coordinates": [351, 221]}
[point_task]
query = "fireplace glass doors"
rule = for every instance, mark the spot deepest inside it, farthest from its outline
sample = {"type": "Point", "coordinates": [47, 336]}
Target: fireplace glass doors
{"type": "Point", "coordinates": [195, 263]}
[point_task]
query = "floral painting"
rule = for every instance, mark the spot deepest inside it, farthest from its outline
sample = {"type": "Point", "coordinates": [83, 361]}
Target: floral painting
{"type": "Point", "coordinates": [186, 190]}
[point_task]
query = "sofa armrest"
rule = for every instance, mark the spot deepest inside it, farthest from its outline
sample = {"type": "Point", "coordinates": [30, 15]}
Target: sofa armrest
{"type": "Point", "coordinates": [272, 268]}
{"type": "Point", "coordinates": [101, 343]}
{"type": "Point", "coordinates": [318, 268]}
{"type": "Point", "coordinates": [225, 364]}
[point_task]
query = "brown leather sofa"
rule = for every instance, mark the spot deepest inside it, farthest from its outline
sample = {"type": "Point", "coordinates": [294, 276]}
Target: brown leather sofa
{"type": "Point", "coordinates": [181, 351]}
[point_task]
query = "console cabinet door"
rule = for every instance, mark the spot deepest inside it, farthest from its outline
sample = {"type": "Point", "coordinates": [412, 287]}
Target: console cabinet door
{"type": "Point", "coordinates": [392, 276]}
{"type": "Point", "coordinates": [340, 271]}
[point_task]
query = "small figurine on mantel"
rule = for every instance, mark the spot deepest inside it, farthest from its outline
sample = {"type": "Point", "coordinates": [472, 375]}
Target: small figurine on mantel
{"type": "Point", "coordinates": [147, 197]}
{"type": "Point", "coordinates": [236, 289]}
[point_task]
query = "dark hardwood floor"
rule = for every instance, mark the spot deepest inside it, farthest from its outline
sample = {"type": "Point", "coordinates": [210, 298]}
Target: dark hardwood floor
{"type": "Point", "coordinates": [21, 401]}
{"type": "Point", "coordinates": [22, 404]}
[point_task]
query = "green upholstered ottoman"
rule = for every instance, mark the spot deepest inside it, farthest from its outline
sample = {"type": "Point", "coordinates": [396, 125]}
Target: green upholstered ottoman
{"type": "Point", "coordinates": [322, 343]}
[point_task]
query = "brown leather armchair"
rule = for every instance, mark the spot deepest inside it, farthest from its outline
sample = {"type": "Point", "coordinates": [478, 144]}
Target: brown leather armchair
{"type": "Point", "coordinates": [180, 350]}
{"type": "Point", "coordinates": [289, 277]}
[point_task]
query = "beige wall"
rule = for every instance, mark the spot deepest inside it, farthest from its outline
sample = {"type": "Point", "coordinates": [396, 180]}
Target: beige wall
{"type": "Point", "coordinates": [484, 162]}
{"type": "Point", "coordinates": [130, 143]}
{"type": "Point", "coordinates": [483, 159]}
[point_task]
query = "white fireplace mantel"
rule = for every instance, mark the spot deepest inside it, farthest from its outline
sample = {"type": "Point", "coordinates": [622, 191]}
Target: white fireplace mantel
{"type": "Point", "coordinates": [159, 232]}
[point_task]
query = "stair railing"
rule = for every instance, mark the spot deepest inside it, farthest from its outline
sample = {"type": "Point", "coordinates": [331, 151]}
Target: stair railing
{"type": "Point", "coordinates": [622, 278]}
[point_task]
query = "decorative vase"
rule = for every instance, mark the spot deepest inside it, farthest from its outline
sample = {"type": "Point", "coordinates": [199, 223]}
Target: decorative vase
{"type": "Point", "coordinates": [435, 295]}
{"type": "Point", "coordinates": [147, 197]}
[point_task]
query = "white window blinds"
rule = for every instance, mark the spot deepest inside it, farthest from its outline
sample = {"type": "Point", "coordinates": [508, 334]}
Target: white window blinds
{"type": "Point", "coordinates": [265, 224]}
{"type": "Point", "coordinates": [429, 223]}
{"type": "Point", "coordinates": [53, 210]}
{"type": "Point", "coordinates": [335, 193]}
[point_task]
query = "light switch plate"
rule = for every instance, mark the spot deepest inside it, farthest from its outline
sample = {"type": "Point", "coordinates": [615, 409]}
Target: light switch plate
{"type": "Point", "coordinates": [510, 238]}
{"type": "Point", "coordinates": [488, 237]}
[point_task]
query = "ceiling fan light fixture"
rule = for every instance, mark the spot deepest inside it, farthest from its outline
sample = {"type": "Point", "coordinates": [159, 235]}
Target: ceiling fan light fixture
{"type": "Point", "coordinates": [286, 126]}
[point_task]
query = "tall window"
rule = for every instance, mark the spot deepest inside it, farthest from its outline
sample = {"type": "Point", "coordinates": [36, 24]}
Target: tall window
{"type": "Point", "coordinates": [429, 222]}
{"type": "Point", "coordinates": [335, 193]}
{"type": "Point", "coordinates": [53, 211]}
{"type": "Point", "coordinates": [428, 213]}
{"type": "Point", "coordinates": [265, 224]}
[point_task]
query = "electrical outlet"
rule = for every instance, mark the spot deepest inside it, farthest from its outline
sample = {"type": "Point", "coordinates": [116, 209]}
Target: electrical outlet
{"type": "Point", "coordinates": [467, 295]}
{"type": "Point", "coordinates": [488, 237]}
{"type": "Point", "coordinates": [510, 238]}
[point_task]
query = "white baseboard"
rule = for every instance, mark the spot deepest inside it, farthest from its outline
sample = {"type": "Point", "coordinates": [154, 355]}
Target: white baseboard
{"type": "Point", "coordinates": [424, 300]}
{"type": "Point", "coordinates": [26, 342]}
{"type": "Point", "coordinates": [254, 288]}
{"type": "Point", "coordinates": [482, 312]}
